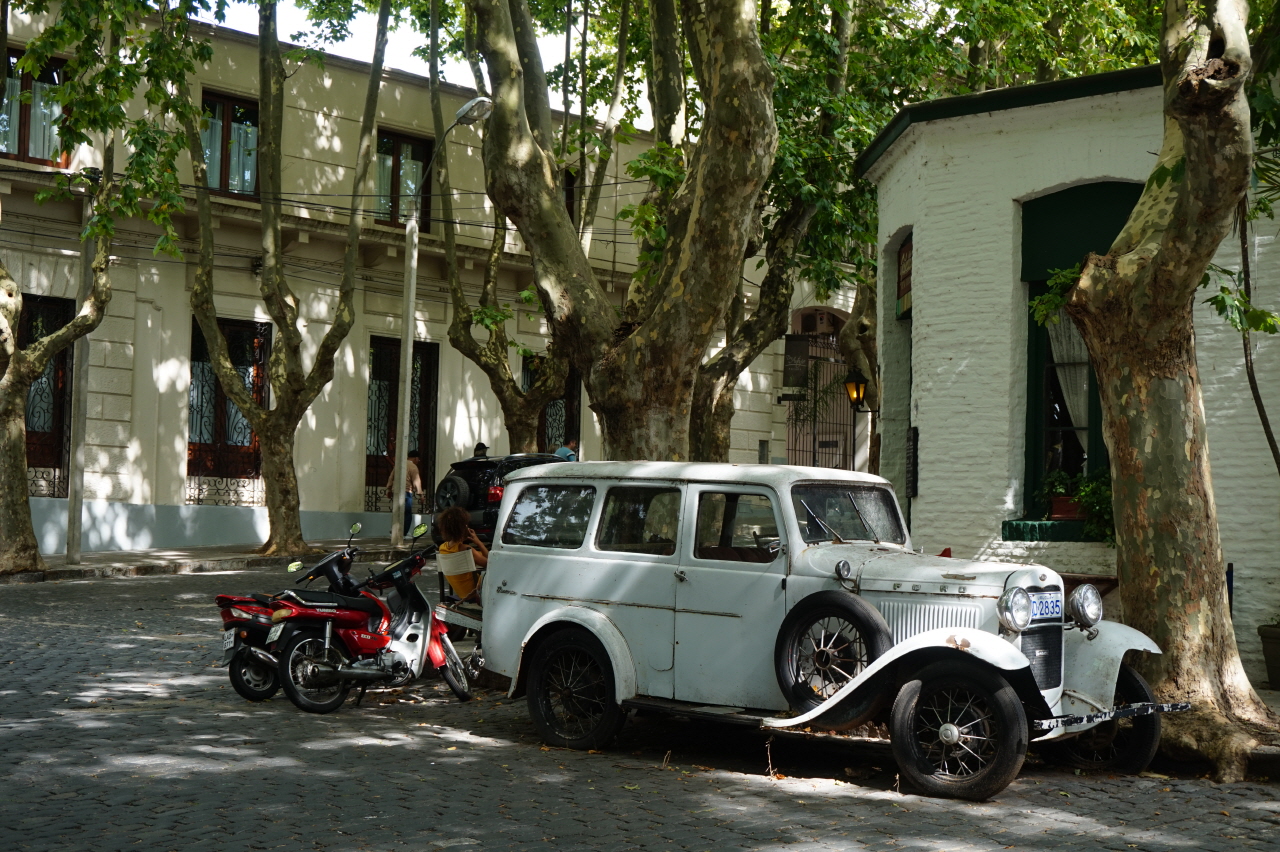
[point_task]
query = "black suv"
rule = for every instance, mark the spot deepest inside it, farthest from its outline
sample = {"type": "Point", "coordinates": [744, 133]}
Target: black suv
{"type": "Point", "coordinates": [476, 485]}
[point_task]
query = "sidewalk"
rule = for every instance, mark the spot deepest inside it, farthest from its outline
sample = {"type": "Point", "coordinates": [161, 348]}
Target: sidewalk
{"type": "Point", "coordinates": [192, 560]}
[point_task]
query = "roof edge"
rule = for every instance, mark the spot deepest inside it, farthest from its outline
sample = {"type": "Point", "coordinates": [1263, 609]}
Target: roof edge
{"type": "Point", "coordinates": [998, 100]}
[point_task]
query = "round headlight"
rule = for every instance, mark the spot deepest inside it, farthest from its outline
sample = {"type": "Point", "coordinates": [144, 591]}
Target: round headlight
{"type": "Point", "coordinates": [843, 569]}
{"type": "Point", "coordinates": [1014, 609]}
{"type": "Point", "coordinates": [1085, 605]}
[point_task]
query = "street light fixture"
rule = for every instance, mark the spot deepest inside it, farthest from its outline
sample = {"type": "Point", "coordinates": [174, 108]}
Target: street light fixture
{"type": "Point", "coordinates": [855, 384]}
{"type": "Point", "coordinates": [476, 109]}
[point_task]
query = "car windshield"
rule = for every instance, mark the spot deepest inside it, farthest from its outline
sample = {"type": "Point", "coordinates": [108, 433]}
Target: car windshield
{"type": "Point", "coordinates": [852, 512]}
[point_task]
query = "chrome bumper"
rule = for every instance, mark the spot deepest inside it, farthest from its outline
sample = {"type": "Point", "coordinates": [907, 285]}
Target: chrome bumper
{"type": "Point", "coordinates": [1125, 712]}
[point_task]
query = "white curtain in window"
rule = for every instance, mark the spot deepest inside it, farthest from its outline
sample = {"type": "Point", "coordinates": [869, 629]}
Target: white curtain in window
{"type": "Point", "coordinates": [410, 181]}
{"type": "Point", "coordinates": [211, 139]}
{"type": "Point", "coordinates": [382, 203]}
{"type": "Point", "coordinates": [44, 132]}
{"type": "Point", "coordinates": [242, 159]}
{"type": "Point", "coordinates": [1068, 348]}
{"type": "Point", "coordinates": [9, 116]}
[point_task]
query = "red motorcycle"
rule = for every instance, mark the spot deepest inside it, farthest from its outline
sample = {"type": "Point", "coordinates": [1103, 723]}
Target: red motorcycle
{"type": "Point", "coordinates": [326, 643]}
{"type": "Point", "coordinates": [246, 624]}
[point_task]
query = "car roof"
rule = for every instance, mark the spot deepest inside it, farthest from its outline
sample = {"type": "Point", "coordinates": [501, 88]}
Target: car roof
{"type": "Point", "coordinates": [514, 457]}
{"type": "Point", "coordinates": [777, 475]}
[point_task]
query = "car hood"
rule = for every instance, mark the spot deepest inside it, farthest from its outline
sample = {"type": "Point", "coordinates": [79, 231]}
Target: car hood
{"type": "Point", "coordinates": [891, 569]}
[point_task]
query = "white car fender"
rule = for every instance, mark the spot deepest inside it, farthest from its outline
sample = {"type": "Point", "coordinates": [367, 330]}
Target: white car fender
{"type": "Point", "coordinates": [1091, 666]}
{"type": "Point", "coordinates": [624, 669]}
{"type": "Point", "coordinates": [984, 646]}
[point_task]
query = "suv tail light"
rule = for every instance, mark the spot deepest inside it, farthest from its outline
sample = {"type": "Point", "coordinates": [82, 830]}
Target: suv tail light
{"type": "Point", "coordinates": [495, 493]}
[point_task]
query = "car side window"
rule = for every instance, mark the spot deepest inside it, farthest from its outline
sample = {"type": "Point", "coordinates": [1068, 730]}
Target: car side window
{"type": "Point", "coordinates": [735, 528]}
{"type": "Point", "coordinates": [639, 519]}
{"type": "Point", "coordinates": [550, 516]}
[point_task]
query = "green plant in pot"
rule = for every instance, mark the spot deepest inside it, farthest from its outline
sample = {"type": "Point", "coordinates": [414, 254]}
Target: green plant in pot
{"type": "Point", "coordinates": [1093, 495]}
{"type": "Point", "coordinates": [1058, 490]}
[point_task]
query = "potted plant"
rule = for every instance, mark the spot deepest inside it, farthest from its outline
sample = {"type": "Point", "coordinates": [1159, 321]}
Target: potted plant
{"type": "Point", "coordinates": [1093, 496]}
{"type": "Point", "coordinates": [1270, 635]}
{"type": "Point", "coordinates": [1059, 490]}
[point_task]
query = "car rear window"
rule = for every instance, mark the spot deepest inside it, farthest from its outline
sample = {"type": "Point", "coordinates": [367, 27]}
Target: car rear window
{"type": "Point", "coordinates": [639, 519]}
{"type": "Point", "coordinates": [550, 516]}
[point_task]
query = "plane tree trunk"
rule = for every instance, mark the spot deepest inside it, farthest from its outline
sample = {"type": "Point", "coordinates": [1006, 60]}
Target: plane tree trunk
{"type": "Point", "coordinates": [1133, 307]}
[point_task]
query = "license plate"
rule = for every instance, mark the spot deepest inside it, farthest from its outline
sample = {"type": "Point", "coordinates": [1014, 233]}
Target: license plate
{"type": "Point", "coordinates": [228, 639]}
{"type": "Point", "coordinates": [275, 633]}
{"type": "Point", "coordinates": [1046, 605]}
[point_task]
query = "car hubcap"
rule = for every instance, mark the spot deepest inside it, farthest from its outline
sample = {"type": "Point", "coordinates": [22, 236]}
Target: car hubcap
{"type": "Point", "coordinates": [832, 653]}
{"type": "Point", "coordinates": [956, 731]}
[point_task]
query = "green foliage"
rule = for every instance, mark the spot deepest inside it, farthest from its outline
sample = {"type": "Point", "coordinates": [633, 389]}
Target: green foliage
{"type": "Point", "coordinates": [1234, 306]}
{"type": "Point", "coordinates": [1162, 173]}
{"type": "Point", "coordinates": [662, 165]}
{"type": "Point", "coordinates": [1047, 309]}
{"type": "Point", "coordinates": [1093, 494]}
{"type": "Point", "coordinates": [1057, 483]}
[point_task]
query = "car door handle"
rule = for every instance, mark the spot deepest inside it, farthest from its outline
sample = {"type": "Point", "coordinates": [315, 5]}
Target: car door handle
{"type": "Point", "coordinates": [681, 576]}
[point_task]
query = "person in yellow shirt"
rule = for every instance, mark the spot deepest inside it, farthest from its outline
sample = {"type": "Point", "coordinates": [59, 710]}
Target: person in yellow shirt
{"type": "Point", "coordinates": [462, 554]}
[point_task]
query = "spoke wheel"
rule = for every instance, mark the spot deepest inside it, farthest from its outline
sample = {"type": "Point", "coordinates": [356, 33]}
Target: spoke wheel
{"type": "Point", "coordinates": [253, 679]}
{"type": "Point", "coordinates": [1116, 745]}
{"type": "Point", "coordinates": [304, 665]}
{"type": "Point", "coordinates": [571, 691]}
{"type": "Point", "coordinates": [454, 672]}
{"type": "Point", "coordinates": [959, 731]}
{"type": "Point", "coordinates": [827, 640]}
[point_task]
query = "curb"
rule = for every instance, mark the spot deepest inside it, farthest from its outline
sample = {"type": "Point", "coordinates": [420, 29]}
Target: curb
{"type": "Point", "coordinates": [190, 566]}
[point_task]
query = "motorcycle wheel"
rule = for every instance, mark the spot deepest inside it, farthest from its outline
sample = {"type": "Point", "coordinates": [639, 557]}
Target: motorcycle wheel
{"type": "Point", "coordinates": [454, 672]}
{"type": "Point", "coordinates": [253, 679]}
{"type": "Point", "coordinates": [297, 673]}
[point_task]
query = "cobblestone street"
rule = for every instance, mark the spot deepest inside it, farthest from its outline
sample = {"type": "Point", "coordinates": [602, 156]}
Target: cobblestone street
{"type": "Point", "coordinates": [118, 734]}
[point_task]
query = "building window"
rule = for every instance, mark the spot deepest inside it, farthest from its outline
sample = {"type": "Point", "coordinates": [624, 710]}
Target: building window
{"type": "Point", "coordinates": [230, 137]}
{"type": "Point", "coordinates": [48, 399]}
{"type": "Point", "coordinates": [384, 401]}
{"type": "Point", "coordinates": [560, 420]}
{"type": "Point", "coordinates": [402, 161]}
{"type": "Point", "coordinates": [224, 460]}
{"type": "Point", "coordinates": [904, 276]}
{"type": "Point", "coordinates": [29, 130]}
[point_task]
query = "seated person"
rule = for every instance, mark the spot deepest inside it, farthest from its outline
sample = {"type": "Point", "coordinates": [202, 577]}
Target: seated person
{"type": "Point", "coordinates": [461, 554]}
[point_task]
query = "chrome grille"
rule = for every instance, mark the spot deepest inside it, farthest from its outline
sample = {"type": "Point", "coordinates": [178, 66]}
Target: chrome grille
{"type": "Point", "coordinates": [907, 618]}
{"type": "Point", "coordinates": [1043, 647]}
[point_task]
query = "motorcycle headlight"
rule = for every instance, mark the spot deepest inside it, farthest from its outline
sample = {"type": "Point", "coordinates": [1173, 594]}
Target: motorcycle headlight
{"type": "Point", "coordinates": [1085, 605]}
{"type": "Point", "coordinates": [1014, 609]}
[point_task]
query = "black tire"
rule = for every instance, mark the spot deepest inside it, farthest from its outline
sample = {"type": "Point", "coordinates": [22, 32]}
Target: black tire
{"type": "Point", "coordinates": [452, 491]}
{"type": "Point", "coordinates": [457, 633]}
{"type": "Point", "coordinates": [454, 671]}
{"type": "Point", "coordinates": [571, 691]}
{"type": "Point", "coordinates": [253, 679]}
{"type": "Point", "coordinates": [824, 642]}
{"type": "Point", "coordinates": [1116, 745]}
{"type": "Point", "coordinates": [304, 649]}
{"type": "Point", "coordinates": [958, 731]}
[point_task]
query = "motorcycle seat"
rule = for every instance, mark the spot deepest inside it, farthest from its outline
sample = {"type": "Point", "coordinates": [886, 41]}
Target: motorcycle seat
{"type": "Point", "coordinates": [360, 603]}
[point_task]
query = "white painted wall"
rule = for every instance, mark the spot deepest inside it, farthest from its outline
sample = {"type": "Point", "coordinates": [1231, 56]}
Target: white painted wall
{"type": "Point", "coordinates": [957, 185]}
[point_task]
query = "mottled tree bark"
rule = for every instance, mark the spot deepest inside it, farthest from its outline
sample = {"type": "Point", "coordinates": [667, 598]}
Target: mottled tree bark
{"type": "Point", "coordinates": [19, 550]}
{"type": "Point", "coordinates": [640, 376]}
{"type": "Point", "coordinates": [1134, 308]}
{"type": "Point", "coordinates": [293, 387]}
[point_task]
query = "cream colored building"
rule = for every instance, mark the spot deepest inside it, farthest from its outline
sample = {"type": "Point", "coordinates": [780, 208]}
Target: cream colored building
{"type": "Point", "coordinates": [168, 461]}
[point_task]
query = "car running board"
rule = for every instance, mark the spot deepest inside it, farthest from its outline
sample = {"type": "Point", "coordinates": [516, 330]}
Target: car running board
{"type": "Point", "coordinates": [713, 712]}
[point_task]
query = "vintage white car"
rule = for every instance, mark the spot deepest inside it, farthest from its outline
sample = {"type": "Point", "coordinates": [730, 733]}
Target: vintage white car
{"type": "Point", "coordinates": [790, 597]}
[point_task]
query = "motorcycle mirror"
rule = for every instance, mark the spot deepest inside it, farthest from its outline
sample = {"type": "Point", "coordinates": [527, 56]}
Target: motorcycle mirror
{"type": "Point", "coordinates": [418, 531]}
{"type": "Point", "coordinates": [294, 566]}
{"type": "Point", "coordinates": [355, 528]}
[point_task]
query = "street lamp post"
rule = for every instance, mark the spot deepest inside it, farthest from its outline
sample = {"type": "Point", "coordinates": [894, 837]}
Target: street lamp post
{"type": "Point", "coordinates": [476, 109]}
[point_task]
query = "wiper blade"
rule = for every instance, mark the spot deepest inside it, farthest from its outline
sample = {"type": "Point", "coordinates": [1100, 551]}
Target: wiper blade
{"type": "Point", "coordinates": [866, 526]}
{"type": "Point", "coordinates": [836, 539]}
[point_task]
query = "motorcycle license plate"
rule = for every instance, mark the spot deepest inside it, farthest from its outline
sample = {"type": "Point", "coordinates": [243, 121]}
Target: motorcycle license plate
{"type": "Point", "coordinates": [1046, 605]}
{"type": "Point", "coordinates": [275, 633]}
{"type": "Point", "coordinates": [228, 639]}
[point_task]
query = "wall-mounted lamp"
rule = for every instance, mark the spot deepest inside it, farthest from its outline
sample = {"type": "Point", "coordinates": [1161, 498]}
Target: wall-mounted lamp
{"type": "Point", "coordinates": [855, 384]}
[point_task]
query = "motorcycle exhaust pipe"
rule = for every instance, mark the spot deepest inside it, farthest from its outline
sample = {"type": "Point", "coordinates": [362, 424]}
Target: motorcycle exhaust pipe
{"type": "Point", "coordinates": [362, 674]}
{"type": "Point", "coordinates": [264, 656]}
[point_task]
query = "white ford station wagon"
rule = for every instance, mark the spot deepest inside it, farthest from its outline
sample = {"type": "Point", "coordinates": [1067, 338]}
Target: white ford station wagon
{"type": "Point", "coordinates": [789, 596]}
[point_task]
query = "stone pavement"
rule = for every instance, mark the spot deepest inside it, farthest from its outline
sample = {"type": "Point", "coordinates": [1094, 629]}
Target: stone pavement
{"type": "Point", "coordinates": [115, 733]}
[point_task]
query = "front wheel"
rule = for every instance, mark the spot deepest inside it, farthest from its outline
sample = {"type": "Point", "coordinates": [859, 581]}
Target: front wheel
{"type": "Point", "coordinates": [958, 731]}
{"type": "Point", "coordinates": [252, 678]}
{"type": "Point", "coordinates": [305, 667]}
{"type": "Point", "coordinates": [571, 692]}
{"type": "Point", "coordinates": [454, 672]}
{"type": "Point", "coordinates": [1116, 745]}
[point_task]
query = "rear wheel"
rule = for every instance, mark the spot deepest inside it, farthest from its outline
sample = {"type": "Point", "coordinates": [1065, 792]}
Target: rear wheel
{"type": "Point", "coordinates": [958, 731]}
{"type": "Point", "coordinates": [452, 491]}
{"type": "Point", "coordinates": [1116, 745]}
{"type": "Point", "coordinates": [306, 668]}
{"type": "Point", "coordinates": [454, 672]}
{"type": "Point", "coordinates": [571, 692]}
{"type": "Point", "coordinates": [252, 678]}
